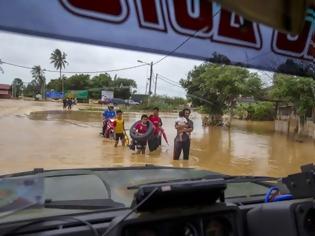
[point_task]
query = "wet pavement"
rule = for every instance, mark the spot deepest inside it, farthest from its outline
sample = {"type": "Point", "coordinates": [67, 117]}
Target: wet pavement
{"type": "Point", "coordinates": [54, 139]}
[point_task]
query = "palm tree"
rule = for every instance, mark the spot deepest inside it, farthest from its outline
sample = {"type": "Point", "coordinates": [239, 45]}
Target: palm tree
{"type": "Point", "coordinates": [58, 58]}
{"type": "Point", "coordinates": [38, 75]}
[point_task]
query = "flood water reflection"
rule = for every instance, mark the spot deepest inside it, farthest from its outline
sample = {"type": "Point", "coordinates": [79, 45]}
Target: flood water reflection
{"type": "Point", "coordinates": [62, 139]}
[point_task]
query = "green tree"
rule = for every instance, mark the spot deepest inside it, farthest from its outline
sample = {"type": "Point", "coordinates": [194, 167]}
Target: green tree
{"type": "Point", "coordinates": [298, 90]}
{"type": "Point", "coordinates": [98, 83]}
{"type": "Point", "coordinates": [119, 82]}
{"type": "Point", "coordinates": [122, 87]}
{"type": "Point", "coordinates": [165, 103]}
{"type": "Point", "coordinates": [17, 86]}
{"type": "Point", "coordinates": [256, 111]}
{"type": "Point", "coordinates": [195, 90]}
{"type": "Point", "coordinates": [38, 75]}
{"type": "Point", "coordinates": [31, 89]}
{"type": "Point", "coordinates": [217, 88]}
{"type": "Point", "coordinates": [77, 82]}
{"type": "Point", "coordinates": [55, 84]}
{"type": "Point", "coordinates": [101, 81]}
{"type": "Point", "coordinates": [58, 58]}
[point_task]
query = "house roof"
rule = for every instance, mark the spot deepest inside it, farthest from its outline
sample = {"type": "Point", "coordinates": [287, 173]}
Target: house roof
{"type": "Point", "coordinates": [4, 92]}
{"type": "Point", "coordinates": [5, 86]}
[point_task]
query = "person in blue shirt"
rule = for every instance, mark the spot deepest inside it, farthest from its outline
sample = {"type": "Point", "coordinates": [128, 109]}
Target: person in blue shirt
{"type": "Point", "coordinates": [108, 114]}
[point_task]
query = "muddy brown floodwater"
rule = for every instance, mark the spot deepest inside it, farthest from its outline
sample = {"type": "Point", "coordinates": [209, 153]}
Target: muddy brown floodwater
{"type": "Point", "coordinates": [61, 139]}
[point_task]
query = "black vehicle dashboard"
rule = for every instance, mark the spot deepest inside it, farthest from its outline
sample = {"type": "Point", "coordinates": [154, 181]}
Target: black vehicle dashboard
{"type": "Point", "coordinates": [189, 208]}
{"type": "Point", "coordinates": [288, 218]}
{"type": "Point", "coordinates": [218, 220]}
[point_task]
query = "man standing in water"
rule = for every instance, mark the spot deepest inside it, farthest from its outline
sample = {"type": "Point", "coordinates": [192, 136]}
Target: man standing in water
{"type": "Point", "coordinates": [183, 142]}
{"type": "Point", "coordinates": [155, 141]}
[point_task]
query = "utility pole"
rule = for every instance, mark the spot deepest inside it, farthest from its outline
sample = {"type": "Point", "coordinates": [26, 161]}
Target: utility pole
{"type": "Point", "coordinates": [44, 93]}
{"type": "Point", "coordinates": [146, 87]}
{"type": "Point", "coordinates": [12, 90]}
{"type": "Point", "coordinates": [156, 78]}
{"type": "Point", "coordinates": [150, 78]}
{"type": "Point", "coordinates": [151, 74]}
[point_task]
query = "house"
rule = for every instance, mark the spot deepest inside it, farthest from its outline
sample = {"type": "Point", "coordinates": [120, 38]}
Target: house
{"type": "Point", "coordinates": [5, 91]}
{"type": "Point", "coordinates": [246, 100]}
{"type": "Point", "coordinates": [284, 111]}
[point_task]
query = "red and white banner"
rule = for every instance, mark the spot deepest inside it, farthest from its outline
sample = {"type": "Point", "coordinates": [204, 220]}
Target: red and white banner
{"type": "Point", "coordinates": [160, 26]}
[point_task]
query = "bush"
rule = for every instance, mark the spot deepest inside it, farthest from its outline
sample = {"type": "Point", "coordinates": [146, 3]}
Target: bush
{"type": "Point", "coordinates": [256, 111]}
{"type": "Point", "coordinates": [164, 103]}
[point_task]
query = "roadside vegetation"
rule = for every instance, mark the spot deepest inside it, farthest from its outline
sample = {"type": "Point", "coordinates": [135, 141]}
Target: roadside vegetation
{"type": "Point", "coordinates": [221, 89]}
{"type": "Point", "coordinates": [213, 89]}
{"type": "Point", "coordinates": [165, 104]}
{"type": "Point", "coordinates": [122, 87]}
{"type": "Point", "coordinates": [299, 91]}
{"type": "Point", "coordinates": [259, 111]}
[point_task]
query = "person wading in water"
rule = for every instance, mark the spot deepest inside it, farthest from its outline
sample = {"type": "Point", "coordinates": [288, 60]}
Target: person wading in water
{"type": "Point", "coordinates": [182, 140]}
{"type": "Point", "coordinates": [119, 125]}
{"type": "Point", "coordinates": [141, 128]}
{"type": "Point", "coordinates": [108, 114]}
{"type": "Point", "coordinates": [155, 141]}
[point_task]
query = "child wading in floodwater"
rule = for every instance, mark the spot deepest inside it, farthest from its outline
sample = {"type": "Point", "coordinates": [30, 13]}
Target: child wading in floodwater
{"type": "Point", "coordinates": [119, 128]}
{"type": "Point", "coordinates": [182, 123]}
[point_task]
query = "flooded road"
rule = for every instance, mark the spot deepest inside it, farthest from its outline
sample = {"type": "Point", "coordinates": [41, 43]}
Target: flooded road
{"type": "Point", "coordinates": [62, 139]}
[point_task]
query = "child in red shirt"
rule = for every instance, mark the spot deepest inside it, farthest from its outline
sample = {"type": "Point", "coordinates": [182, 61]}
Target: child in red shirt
{"type": "Point", "coordinates": [155, 141]}
{"type": "Point", "coordinates": [156, 120]}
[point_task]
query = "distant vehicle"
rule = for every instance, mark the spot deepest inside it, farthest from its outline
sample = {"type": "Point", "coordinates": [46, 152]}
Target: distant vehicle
{"type": "Point", "coordinates": [118, 101]}
{"type": "Point", "coordinates": [106, 101]}
{"type": "Point", "coordinates": [132, 102]}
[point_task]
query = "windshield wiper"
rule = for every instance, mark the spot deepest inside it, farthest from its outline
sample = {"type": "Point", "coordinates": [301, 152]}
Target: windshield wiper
{"type": "Point", "coordinates": [239, 179]}
{"type": "Point", "coordinates": [225, 178]}
{"type": "Point", "coordinates": [88, 204]}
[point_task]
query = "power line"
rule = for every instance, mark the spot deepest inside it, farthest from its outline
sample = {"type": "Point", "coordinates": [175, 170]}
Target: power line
{"type": "Point", "coordinates": [169, 79]}
{"type": "Point", "coordinates": [15, 65]}
{"type": "Point", "coordinates": [188, 94]}
{"type": "Point", "coordinates": [98, 72]}
{"type": "Point", "coordinates": [171, 83]}
{"type": "Point", "coordinates": [73, 72]}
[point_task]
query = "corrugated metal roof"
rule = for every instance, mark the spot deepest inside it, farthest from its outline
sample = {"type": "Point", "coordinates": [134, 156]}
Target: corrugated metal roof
{"type": "Point", "coordinates": [4, 92]}
{"type": "Point", "coordinates": [5, 86]}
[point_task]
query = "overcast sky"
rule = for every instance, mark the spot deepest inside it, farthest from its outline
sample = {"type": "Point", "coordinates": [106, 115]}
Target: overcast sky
{"type": "Point", "coordinates": [29, 51]}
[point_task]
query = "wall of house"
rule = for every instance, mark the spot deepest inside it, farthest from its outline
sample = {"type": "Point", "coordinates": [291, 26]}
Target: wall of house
{"type": "Point", "coordinates": [288, 125]}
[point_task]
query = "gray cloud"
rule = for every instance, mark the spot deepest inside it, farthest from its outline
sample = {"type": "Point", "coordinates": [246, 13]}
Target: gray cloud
{"type": "Point", "coordinates": [30, 51]}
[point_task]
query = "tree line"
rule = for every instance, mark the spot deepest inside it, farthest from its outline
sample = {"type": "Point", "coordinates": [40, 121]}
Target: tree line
{"type": "Point", "coordinates": [122, 87]}
{"type": "Point", "coordinates": [222, 88]}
